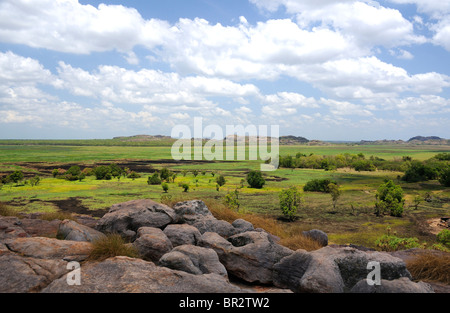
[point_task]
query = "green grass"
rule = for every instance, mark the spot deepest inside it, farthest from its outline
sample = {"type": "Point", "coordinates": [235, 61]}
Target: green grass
{"type": "Point", "coordinates": [352, 222]}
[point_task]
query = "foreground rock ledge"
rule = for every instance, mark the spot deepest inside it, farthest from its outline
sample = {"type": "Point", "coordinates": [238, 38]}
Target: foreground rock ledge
{"type": "Point", "coordinates": [127, 275]}
{"type": "Point", "coordinates": [184, 249]}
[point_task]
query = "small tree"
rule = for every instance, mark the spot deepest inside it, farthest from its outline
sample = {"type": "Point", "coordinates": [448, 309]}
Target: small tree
{"type": "Point", "coordinates": [195, 172]}
{"type": "Point", "coordinates": [220, 181]}
{"type": "Point", "coordinates": [389, 199]}
{"type": "Point", "coordinates": [73, 173]}
{"type": "Point", "coordinates": [444, 177]}
{"type": "Point", "coordinates": [417, 201]}
{"type": "Point", "coordinates": [335, 193]}
{"type": "Point", "coordinates": [15, 177]}
{"type": "Point", "coordinates": [290, 201]}
{"type": "Point", "coordinates": [232, 200]}
{"type": "Point", "coordinates": [154, 179]}
{"type": "Point", "coordinates": [185, 187]}
{"type": "Point", "coordinates": [133, 175]}
{"type": "Point", "coordinates": [165, 174]}
{"type": "Point", "coordinates": [165, 187]}
{"type": "Point", "coordinates": [255, 179]}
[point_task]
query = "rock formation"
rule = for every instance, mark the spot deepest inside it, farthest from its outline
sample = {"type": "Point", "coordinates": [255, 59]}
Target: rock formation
{"type": "Point", "coordinates": [185, 249]}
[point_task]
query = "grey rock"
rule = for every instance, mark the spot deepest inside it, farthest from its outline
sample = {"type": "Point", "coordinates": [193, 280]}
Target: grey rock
{"type": "Point", "coordinates": [70, 230]}
{"type": "Point", "coordinates": [197, 214]}
{"type": "Point", "coordinates": [127, 275]}
{"type": "Point", "coordinates": [182, 234]}
{"type": "Point", "coordinates": [194, 260]}
{"type": "Point", "coordinates": [334, 269]}
{"type": "Point", "coordinates": [10, 228]}
{"type": "Point", "coordinates": [250, 256]}
{"type": "Point", "coordinates": [126, 218]}
{"type": "Point", "coordinates": [50, 248]}
{"type": "Point", "coordinates": [152, 243]}
{"type": "Point", "coordinates": [401, 285]}
{"type": "Point", "coordinates": [317, 235]}
{"type": "Point", "coordinates": [242, 226]}
{"type": "Point", "coordinates": [23, 275]}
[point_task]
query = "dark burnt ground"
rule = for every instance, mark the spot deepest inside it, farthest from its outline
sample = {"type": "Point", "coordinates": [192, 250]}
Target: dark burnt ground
{"type": "Point", "coordinates": [139, 166]}
{"type": "Point", "coordinates": [74, 205]}
{"type": "Point", "coordinates": [70, 205]}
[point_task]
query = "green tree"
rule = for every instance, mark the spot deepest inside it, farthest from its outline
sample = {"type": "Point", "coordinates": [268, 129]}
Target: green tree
{"type": "Point", "coordinates": [195, 172]}
{"type": "Point", "coordinates": [154, 179]}
{"type": "Point", "coordinates": [15, 177]}
{"type": "Point", "coordinates": [444, 177]}
{"type": "Point", "coordinates": [389, 199]}
{"type": "Point", "coordinates": [165, 174]}
{"type": "Point", "coordinates": [221, 180]}
{"type": "Point", "coordinates": [73, 173]}
{"type": "Point", "coordinates": [165, 187]}
{"type": "Point", "coordinates": [335, 193]}
{"type": "Point", "coordinates": [133, 175]}
{"type": "Point", "coordinates": [185, 187]}
{"type": "Point", "coordinates": [255, 179]}
{"type": "Point", "coordinates": [232, 200]}
{"type": "Point", "coordinates": [290, 201]}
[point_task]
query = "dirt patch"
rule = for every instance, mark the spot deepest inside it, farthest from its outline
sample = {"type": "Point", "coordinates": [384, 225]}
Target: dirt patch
{"type": "Point", "coordinates": [435, 226]}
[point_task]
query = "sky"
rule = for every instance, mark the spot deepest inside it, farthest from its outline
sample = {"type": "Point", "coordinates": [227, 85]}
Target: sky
{"type": "Point", "coordinates": [322, 69]}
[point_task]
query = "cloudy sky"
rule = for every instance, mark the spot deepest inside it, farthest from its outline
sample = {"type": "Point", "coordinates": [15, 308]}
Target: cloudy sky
{"type": "Point", "coordinates": [322, 69]}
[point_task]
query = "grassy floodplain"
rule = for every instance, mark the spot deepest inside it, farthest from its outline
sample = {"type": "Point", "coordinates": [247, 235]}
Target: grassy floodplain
{"type": "Point", "coordinates": [353, 221]}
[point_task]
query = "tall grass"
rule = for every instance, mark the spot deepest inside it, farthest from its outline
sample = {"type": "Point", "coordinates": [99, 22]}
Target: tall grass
{"type": "Point", "coordinates": [111, 245]}
{"type": "Point", "coordinates": [291, 238]}
{"type": "Point", "coordinates": [430, 267]}
{"type": "Point", "coordinates": [6, 210]}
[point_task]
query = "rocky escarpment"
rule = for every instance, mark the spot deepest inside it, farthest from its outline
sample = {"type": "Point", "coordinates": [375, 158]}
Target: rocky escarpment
{"type": "Point", "coordinates": [185, 249]}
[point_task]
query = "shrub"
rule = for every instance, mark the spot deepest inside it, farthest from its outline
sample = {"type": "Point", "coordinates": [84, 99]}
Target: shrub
{"type": "Point", "coordinates": [154, 179]}
{"type": "Point", "coordinates": [111, 245]}
{"type": "Point", "coordinates": [73, 173]}
{"type": "Point", "coordinates": [393, 243]}
{"type": "Point", "coordinates": [133, 175]}
{"type": "Point", "coordinates": [165, 174]}
{"type": "Point", "coordinates": [102, 172]}
{"type": "Point", "coordinates": [318, 185]}
{"type": "Point", "coordinates": [255, 179]}
{"type": "Point", "coordinates": [364, 165]}
{"type": "Point", "coordinates": [15, 177]}
{"type": "Point", "coordinates": [444, 177]}
{"type": "Point", "coordinates": [290, 201]}
{"type": "Point", "coordinates": [185, 187]}
{"type": "Point", "coordinates": [419, 172]}
{"type": "Point", "coordinates": [389, 199]}
{"type": "Point", "coordinates": [220, 180]}
{"type": "Point", "coordinates": [444, 237]}
{"type": "Point", "coordinates": [165, 187]}
{"type": "Point", "coordinates": [232, 200]}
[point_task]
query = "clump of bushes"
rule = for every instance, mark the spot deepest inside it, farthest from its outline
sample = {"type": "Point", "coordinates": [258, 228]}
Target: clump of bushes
{"type": "Point", "coordinates": [290, 201]}
{"type": "Point", "coordinates": [319, 185]}
{"type": "Point", "coordinates": [154, 179]}
{"type": "Point", "coordinates": [389, 199]}
{"type": "Point", "coordinates": [255, 179]}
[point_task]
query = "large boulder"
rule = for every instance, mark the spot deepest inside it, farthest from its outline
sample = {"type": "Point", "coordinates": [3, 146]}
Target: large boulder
{"type": "Point", "coordinates": [126, 218]}
{"type": "Point", "coordinates": [127, 275]}
{"type": "Point", "coordinates": [194, 260]}
{"type": "Point", "coordinates": [333, 269]}
{"type": "Point", "coordinates": [197, 214]}
{"type": "Point", "coordinates": [250, 256]}
{"type": "Point", "coordinates": [50, 248]}
{"type": "Point", "coordinates": [10, 228]}
{"type": "Point", "coordinates": [182, 234]}
{"type": "Point", "coordinates": [401, 285]}
{"type": "Point", "coordinates": [70, 230]}
{"type": "Point", "coordinates": [152, 243]}
{"type": "Point", "coordinates": [317, 235]}
{"type": "Point", "coordinates": [23, 274]}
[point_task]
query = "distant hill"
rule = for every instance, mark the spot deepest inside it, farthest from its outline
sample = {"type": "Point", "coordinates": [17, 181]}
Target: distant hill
{"type": "Point", "coordinates": [421, 138]}
{"type": "Point", "coordinates": [293, 140]}
{"type": "Point", "coordinates": [142, 138]}
{"type": "Point", "coordinates": [418, 140]}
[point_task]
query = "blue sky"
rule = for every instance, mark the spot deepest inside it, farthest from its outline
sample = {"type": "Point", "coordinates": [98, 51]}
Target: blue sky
{"type": "Point", "coordinates": [326, 70]}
